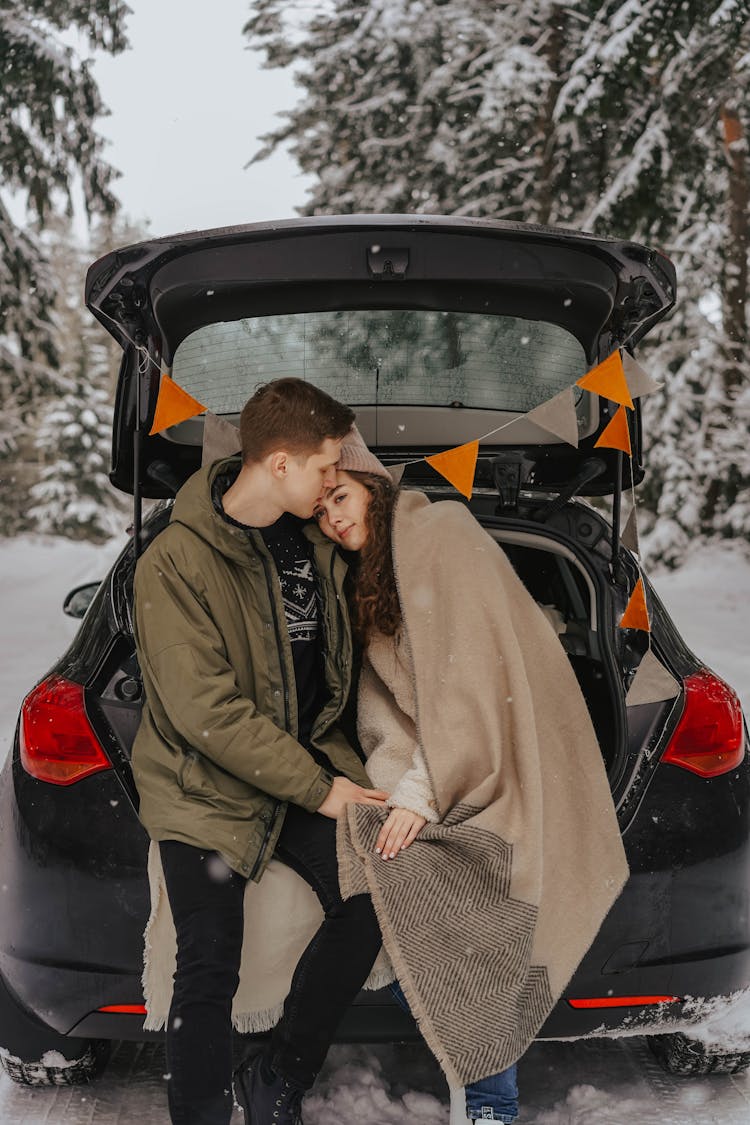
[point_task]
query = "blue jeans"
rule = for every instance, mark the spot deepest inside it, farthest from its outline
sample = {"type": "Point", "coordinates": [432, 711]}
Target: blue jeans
{"type": "Point", "coordinates": [491, 1099]}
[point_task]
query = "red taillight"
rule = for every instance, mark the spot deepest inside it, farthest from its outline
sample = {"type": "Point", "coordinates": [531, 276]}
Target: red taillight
{"type": "Point", "coordinates": [622, 1001]}
{"type": "Point", "coordinates": [124, 1009]}
{"type": "Point", "coordinates": [710, 737]}
{"type": "Point", "coordinates": [56, 739]}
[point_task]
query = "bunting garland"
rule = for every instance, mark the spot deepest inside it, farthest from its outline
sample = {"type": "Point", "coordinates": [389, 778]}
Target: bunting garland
{"type": "Point", "coordinates": [458, 466]}
{"type": "Point", "coordinates": [618, 378]}
{"type": "Point", "coordinates": [629, 534]}
{"type": "Point", "coordinates": [639, 381]}
{"type": "Point", "coordinates": [173, 405]}
{"type": "Point", "coordinates": [608, 380]}
{"type": "Point", "coordinates": [558, 416]}
{"type": "Point", "coordinates": [636, 611]}
{"type": "Point", "coordinates": [221, 438]}
{"type": "Point", "coordinates": [616, 435]}
{"type": "Point", "coordinates": [652, 682]}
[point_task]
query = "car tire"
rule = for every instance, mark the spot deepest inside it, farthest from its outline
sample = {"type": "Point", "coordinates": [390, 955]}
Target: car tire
{"type": "Point", "coordinates": [677, 1054]}
{"type": "Point", "coordinates": [33, 1054]}
{"type": "Point", "coordinates": [54, 1069]}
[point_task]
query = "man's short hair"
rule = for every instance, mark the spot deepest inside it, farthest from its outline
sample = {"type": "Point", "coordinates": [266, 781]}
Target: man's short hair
{"type": "Point", "coordinates": [292, 415]}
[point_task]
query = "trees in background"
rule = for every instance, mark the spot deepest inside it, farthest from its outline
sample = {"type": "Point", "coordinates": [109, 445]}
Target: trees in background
{"type": "Point", "coordinates": [49, 103]}
{"type": "Point", "coordinates": [69, 437]}
{"type": "Point", "coordinates": [628, 119]}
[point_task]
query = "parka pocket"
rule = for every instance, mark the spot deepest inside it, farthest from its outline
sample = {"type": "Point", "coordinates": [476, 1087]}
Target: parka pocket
{"type": "Point", "coordinates": [198, 776]}
{"type": "Point", "coordinates": [186, 772]}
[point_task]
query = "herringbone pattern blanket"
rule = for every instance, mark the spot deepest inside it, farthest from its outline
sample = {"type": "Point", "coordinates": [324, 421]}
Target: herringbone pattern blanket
{"type": "Point", "coordinates": [488, 913]}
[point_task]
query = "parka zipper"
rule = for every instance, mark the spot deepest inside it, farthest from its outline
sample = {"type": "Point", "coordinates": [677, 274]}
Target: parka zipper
{"type": "Point", "coordinates": [285, 682]}
{"type": "Point", "coordinates": [339, 632]}
{"type": "Point", "coordinates": [282, 662]}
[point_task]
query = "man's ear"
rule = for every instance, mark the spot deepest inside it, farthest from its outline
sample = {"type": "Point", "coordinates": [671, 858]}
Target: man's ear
{"type": "Point", "coordinates": [278, 463]}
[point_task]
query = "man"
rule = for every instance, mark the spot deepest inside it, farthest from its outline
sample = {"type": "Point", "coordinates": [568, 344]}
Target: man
{"type": "Point", "coordinates": [245, 650]}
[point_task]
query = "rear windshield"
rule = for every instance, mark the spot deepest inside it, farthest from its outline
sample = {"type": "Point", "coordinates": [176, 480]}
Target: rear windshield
{"type": "Point", "coordinates": [410, 357]}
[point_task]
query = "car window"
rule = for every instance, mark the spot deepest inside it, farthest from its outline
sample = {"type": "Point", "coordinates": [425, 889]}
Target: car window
{"type": "Point", "coordinates": [411, 357]}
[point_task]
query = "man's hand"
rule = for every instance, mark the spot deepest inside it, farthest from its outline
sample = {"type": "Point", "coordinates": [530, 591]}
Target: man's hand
{"type": "Point", "coordinates": [401, 827]}
{"type": "Point", "coordinates": [343, 792]}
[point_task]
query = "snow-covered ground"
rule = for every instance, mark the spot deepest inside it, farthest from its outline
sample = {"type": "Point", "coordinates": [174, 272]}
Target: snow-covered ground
{"type": "Point", "coordinates": [589, 1082]}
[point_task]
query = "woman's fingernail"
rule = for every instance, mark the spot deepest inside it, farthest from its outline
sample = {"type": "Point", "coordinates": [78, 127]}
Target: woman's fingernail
{"type": "Point", "coordinates": [392, 855]}
{"type": "Point", "coordinates": [378, 850]}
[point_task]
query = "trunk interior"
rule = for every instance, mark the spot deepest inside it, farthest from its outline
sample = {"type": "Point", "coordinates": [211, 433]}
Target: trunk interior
{"type": "Point", "coordinates": [558, 582]}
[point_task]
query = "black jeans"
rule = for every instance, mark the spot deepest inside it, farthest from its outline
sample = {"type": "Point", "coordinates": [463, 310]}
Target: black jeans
{"type": "Point", "coordinates": [206, 897]}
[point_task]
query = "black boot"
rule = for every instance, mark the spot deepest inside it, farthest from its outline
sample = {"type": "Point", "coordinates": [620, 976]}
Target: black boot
{"type": "Point", "coordinates": [267, 1098]}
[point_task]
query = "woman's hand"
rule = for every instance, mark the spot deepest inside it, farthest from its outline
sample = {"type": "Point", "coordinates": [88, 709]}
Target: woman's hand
{"type": "Point", "coordinates": [401, 827]}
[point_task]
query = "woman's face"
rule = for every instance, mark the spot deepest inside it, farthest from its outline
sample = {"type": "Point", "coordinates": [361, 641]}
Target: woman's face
{"type": "Point", "coordinates": [342, 513]}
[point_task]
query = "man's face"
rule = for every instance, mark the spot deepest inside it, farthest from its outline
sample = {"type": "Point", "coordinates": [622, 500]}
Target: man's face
{"type": "Point", "coordinates": [307, 478]}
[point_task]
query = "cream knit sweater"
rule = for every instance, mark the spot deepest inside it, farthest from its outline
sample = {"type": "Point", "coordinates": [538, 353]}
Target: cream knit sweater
{"type": "Point", "coordinates": [388, 736]}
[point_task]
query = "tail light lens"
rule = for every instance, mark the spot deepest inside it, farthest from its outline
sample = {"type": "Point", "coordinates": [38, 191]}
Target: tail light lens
{"type": "Point", "coordinates": [56, 739]}
{"type": "Point", "coordinates": [623, 1001]}
{"type": "Point", "coordinates": [710, 738]}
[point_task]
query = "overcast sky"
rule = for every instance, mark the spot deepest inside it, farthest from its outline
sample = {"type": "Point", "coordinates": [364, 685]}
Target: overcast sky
{"type": "Point", "coordinates": [188, 101]}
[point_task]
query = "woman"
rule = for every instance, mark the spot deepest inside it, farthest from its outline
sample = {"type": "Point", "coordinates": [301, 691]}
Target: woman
{"type": "Point", "coordinates": [488, 882]}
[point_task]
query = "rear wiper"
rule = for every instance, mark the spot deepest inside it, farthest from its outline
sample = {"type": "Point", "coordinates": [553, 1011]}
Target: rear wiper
{"type": "Point", "coordinates": [591, 468]}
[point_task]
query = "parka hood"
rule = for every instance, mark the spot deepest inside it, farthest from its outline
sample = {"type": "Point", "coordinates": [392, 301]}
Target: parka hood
{"type": "Point", "coordinates": [193, 507]}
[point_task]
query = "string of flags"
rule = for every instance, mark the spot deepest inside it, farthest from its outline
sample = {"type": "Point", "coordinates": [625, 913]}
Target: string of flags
{"type": "Point", "coordinates": [618, 378]}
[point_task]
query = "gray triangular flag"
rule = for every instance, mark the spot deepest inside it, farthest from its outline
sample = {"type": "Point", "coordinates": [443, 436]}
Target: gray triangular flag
{"type": "Point", "coordinates": [396, 471]}
{"type": "Point", "coordinates": [558, 416]}
{"type": "Point", "coordinates": [652, 683]}
{"type": "Point", "coordinates": [639, 381]}
{"type": "Point", "coordinates": [629, 534]}
{"type": "Point", "coordinates": [220, 438]}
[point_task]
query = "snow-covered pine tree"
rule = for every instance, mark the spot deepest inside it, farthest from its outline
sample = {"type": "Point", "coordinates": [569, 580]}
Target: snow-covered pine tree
{"type": "Point", "coordinates": [391, 97]}
{"type": "Point", "coordinates": [72, 432]}
{"type": "Point", "coordinates": [668, 88]}
{"type": "Point", "coordinates": [49, 103]}
{"type": "Point", "coordinates": [602, 115]}
{"type": "Point", "coordinates": [73, 496]}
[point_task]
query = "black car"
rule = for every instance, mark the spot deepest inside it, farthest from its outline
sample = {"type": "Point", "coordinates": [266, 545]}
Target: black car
{"type": "Point", "coordinates": [436, 331]}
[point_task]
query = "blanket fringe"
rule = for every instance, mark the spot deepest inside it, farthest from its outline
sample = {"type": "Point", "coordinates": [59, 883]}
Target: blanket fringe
{"type": "Point", "coordinates": [251, 1023]}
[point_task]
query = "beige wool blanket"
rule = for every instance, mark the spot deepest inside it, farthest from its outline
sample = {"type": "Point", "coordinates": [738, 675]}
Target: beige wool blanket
{"type": "Point", "coordinates": [487, 914]}
{"type": "Point", "coordinates": [282, 914]}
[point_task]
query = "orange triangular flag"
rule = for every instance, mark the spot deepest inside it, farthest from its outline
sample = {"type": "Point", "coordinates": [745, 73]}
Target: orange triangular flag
{"type": "Point", "coordinates": [173, 405]}
{"type": "Point", "coordinates": [458, 466]}
{"type": "Point", "coordinates": [616, 435]}
{"type": "Point", "coordinates": [636, 614]}
{"type": "Point", "coordinates": [608, 380]}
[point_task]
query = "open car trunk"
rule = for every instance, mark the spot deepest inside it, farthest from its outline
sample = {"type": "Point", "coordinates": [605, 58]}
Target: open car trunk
{"type": "Point", "coordinates": [437, 330]}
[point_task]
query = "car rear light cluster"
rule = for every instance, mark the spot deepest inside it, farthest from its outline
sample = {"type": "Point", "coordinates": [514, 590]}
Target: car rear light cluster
{"type": "Point", "coordinates": [710, 736]}
{"type": "Point", "coordinates": [57, 742]}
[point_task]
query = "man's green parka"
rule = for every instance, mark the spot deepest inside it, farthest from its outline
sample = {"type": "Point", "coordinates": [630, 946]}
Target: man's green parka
{"type": "Point", "coordinates": [215, 759]}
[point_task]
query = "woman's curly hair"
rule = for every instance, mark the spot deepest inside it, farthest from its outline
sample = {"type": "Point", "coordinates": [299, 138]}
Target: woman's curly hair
{"type": "Point", "coordinates": [371, 582]}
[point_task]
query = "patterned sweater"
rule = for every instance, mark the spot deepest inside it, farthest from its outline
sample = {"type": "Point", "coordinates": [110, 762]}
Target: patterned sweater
{"type": "Point", "coordinates": [389, 738]}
